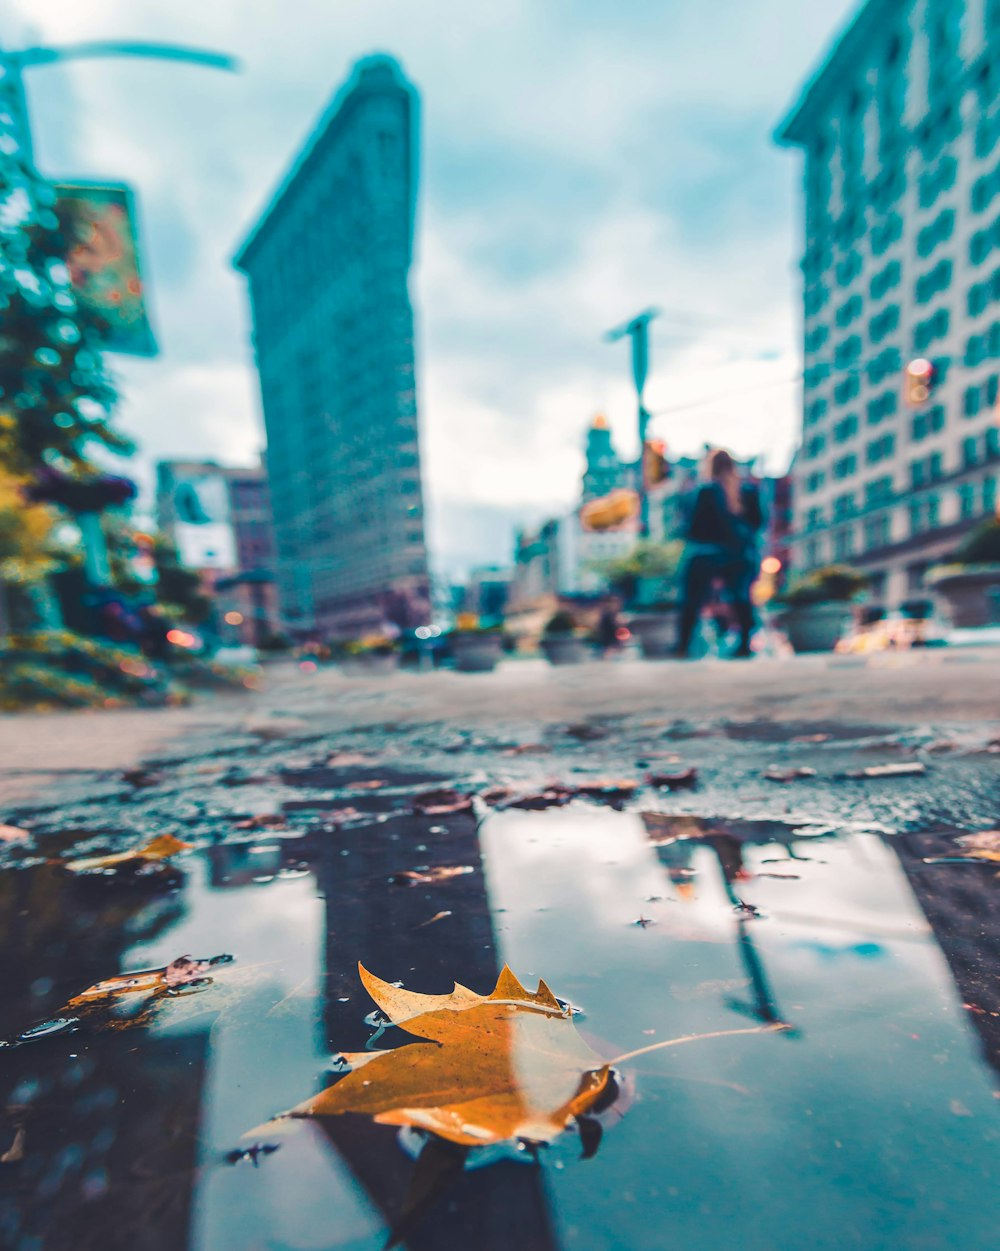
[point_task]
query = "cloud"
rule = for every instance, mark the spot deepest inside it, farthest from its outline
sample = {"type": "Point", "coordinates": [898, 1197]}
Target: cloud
{"type": "Point", "coordinates": [581, 160]}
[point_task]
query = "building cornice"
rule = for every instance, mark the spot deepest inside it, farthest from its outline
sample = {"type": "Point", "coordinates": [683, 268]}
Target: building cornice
{"type": "Point", "coordinates": [850, 47]}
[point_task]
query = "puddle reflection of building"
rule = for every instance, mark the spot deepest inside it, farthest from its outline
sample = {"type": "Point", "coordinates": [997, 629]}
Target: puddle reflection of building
{"type": "Point", "coordinates": [110, 1123]}
{"type": "Point", "coordinates": [962, 905]}
{"type": "Point", "coordinates": [398, 933]}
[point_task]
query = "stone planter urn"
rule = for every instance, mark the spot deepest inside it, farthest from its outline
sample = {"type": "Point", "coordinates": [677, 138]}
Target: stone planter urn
{"type": "Point", "coordinates": [970, 594]}
{"type": "Point", "coordinates": [366, 664]}
{"type": "Point", "coordinates": [816, 627]}
{"type": "Point", "coordinates": [565, 649]}
{"type": "Point", "coordinates": [657, 633]}
{"type": "Point", "coordinates": [476, 651]}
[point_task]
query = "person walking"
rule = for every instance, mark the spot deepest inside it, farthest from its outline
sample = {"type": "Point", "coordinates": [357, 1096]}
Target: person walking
{"type": "Point", "coordinates": [724, 520]}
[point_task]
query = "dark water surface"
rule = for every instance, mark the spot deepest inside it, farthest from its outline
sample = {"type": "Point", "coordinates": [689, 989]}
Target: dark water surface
{"type": "Point", "coordinates": [872, 1122]}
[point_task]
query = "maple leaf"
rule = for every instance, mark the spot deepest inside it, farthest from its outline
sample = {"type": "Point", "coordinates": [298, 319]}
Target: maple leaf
{"type": "Point", "coordinates": [160, 848]}
{"type": "Point", "coordinates": [508, 1065]}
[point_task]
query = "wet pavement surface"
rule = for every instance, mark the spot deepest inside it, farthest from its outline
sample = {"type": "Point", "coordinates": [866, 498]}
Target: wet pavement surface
{"type": "Point", "coordinates": [832, 907]}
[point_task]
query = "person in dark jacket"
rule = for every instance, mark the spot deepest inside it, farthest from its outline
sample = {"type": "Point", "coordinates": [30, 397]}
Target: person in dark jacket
{"type": "Point", "coordinates": [724, 520]}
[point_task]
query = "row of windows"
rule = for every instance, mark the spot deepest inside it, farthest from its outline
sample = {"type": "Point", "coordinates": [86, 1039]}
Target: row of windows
{"type": "Point", "coordinates": [846, 389]}
{"type": "Point", "coordinates": [886, 234]}
{"type": "Point", "coordinates": [848, 311]}
{"type": "Point", "coordinates": [882, 448]}
{"type": "Point", "coordinates": [929, 422]}
{"type": "Point", "coordinates": [878, 491]}
{"type": "Point", "coordinates": [980, 396]}
{"type": "Point", "coordinates": [845, 467]}
{"type": "Point", "coordinates": [816, 338]}
{"type": "Point", "coordinates": [929, 469]}
{"type": "Point", "coordinates": [846, 428]}
{"type": "Point", "coordinates": [848, 268]}
{"type": "Point", "coordinates": [930, 329]}
{"type": "Point", "coordinates": [922, 513]}
{"type": "Point", "coordinates": [884, 323]}
{"type": "Point", "coordinates": [882, 406]}
{"type": "Point", "coordinates": [938, 179]}
{"type": "Point", "coordinates": [985, 189]}
{"type": "Point", "coordinates": [933, 282]}
{"type": "Point", "coordinates": [815, 411]}
{"type": "Point", "coordinates": [936, 232]}
{"type": "Point", "coordinates": [984, 241]}
{"type": "Point", "coordinates": [847, 352]}
{"type": "Point", "coordinates": [983, 347]}
{"type": "Point", "coordinates": [885, 280]}
{"type": "Point", "coordinates": [984, 293]}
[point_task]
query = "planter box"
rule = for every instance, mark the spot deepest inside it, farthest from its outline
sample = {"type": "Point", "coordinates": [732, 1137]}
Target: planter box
{"type": "Point", "coordinates": [565, 649]}
{"type": "Point", "coordinates": [816, 627]}
{"type": "Point", "coordinates": [372, 663]}
{"type": "Point", "coordinates": [657, 633]}
{"type": "Point", "coordinates": [970, 594]}
{"type": "Point", "coordinates": [476, 653]}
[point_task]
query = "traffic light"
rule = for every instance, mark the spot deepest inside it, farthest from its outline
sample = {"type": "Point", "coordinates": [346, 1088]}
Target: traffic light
{"type": "Point", "coordinates": [655, 466]}
{"type": "Point", "coordinates": [918, 382]}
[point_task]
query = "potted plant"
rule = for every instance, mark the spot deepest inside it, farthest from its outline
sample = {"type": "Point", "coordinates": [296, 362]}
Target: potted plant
{"type": "Point", "coordinates": [373, 653]}
{"type": "Point", "coordinates": [645, 580]}
{"type": "Point", "coordinates": [475, 647]}
{"type": "Point", "coordinates": [969, 584]}
{"type": "Point", "coordinates": [562, 642]}
{"type": "Point", "coordinates": [816, 608]}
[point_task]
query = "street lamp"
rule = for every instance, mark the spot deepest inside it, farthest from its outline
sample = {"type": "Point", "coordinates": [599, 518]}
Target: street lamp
{"type": "Point", "coordinates": [17, 153]}
{"type": "Point", "coordinates": [638, 331]}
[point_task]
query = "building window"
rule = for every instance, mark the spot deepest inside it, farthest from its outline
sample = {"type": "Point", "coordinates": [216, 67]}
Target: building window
{"type": "Point", "coordinates": [989, 495]}
{"type": "Point", "coordinates": [880, 449]}
{"type": "Point", "coordinates": [927, 423]}
{"type": "Point", "coordinates": [884, 281]}
{"type": "Point", "coordinates": [936, 233]}
{"type": "Point", "coordinates": [843, 543]}
{"type": "Point", "coordinates": [846, 428]}
{"type": "Point", "coordinates": [966, 501]}
{"type": "Point", "coordinates": [846, 390]}
{"type": "Point", "coordinates": [970, 451]}
{"type": "Point", "coordinates": [877, 531]}
{"type": "Point", "coordinates": [934, 327]}
{"type": "Point", "coordinates": [845, 466]}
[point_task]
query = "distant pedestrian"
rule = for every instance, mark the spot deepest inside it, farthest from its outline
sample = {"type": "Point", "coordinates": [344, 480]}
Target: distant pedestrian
{"type": "Point", "coordinates": [608, 627]}
{"type": "Point", "coordinates": [724, 520]}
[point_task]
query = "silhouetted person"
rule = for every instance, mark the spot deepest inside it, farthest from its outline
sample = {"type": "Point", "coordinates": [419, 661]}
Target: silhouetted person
{"type": "Point", "coordinates": [607, 628]}
{"type": "Point", "coordinates": [724, 520]}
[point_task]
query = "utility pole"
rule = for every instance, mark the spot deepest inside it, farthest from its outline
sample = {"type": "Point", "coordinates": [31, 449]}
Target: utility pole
{"type": "Point", "coordinates": [638, 331]}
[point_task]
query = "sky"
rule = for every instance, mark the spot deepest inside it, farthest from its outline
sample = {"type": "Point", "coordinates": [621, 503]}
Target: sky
{"type": "Point", "coordinates": [581, 160]}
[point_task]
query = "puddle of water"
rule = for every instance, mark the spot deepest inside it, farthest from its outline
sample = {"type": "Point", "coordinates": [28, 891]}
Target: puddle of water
{"type": "Point", "coordinates": [874, 1122]}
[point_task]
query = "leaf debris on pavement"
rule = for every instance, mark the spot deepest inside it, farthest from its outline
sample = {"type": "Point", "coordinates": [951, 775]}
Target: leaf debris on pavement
{"type": "Point", "coordinates": [163, 847]}
{"type": "Point", "coordinates": [904, 769]}
{"type": "Point", "coordinates": [683, 779]}
{"type": "Point", "coordinates": [441, 803]}
{"type": "Point", "coordinates": [431, 876]}
{"type": "Point", "coordinates": [96, 1006]}
{"type": "Point", "coordinates": [788, 773]}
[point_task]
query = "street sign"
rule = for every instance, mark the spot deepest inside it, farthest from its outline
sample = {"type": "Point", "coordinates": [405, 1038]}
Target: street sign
{"type": "Point", "coordinates": [103, 262]}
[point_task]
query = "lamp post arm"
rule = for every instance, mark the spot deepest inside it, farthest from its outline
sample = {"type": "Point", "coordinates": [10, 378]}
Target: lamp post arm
{"type": "Point", "coordinates": [160, 51]}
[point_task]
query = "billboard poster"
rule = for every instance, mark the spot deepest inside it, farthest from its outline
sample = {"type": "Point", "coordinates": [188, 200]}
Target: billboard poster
{"type": "Point", "coordinates": [103, 262]}
{"type": "Point", "coordinates": [203, 529]}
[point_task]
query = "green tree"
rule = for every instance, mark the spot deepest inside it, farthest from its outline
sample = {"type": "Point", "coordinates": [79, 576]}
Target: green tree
{"type": "Point", "coordinates": [56, 398]}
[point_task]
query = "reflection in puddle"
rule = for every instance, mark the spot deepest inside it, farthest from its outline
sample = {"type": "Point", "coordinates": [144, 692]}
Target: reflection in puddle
{"type": "Point", "coordinates": [872, 1122]}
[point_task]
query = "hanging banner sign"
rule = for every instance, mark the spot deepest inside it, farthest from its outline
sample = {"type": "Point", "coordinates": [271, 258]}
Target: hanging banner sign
{"type": "Point", "coordinates": [103, 262]}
